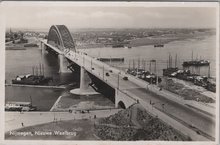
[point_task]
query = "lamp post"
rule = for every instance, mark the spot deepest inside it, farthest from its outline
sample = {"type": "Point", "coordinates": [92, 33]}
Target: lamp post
{"type": "Point", "coordinates": [163, 106]}
{"type": "Point", "coordinates": [118, 80]}
{"type": "Point", "coordinates": [209, 71]}
{"type": "Point", "coordinates": [31, 100]}
{"type": "Point", "coordinates": [129, 65]}
{"type": "Point", "coordinates": [103, 71]}
{"type": "Point", "coordinates": [54, 119]}
{"type": "Point", "coordinates": [91, 64]}
{"type": "Point", "coordinates": [152, 104]}
{"type": "Point", "coordinates": [83, 61]}
{"type": "Point", "coordinates": [110, 61]}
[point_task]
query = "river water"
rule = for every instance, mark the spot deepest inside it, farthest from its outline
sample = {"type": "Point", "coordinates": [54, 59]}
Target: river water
{"type": "Point", "coordinates": [19, 62]}
{"type": "Point", "coordinates": [202, 48]}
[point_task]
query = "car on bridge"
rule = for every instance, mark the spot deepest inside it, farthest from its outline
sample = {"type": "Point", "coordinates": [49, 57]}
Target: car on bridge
{"type": "Point", "coordinates": [125, 78]}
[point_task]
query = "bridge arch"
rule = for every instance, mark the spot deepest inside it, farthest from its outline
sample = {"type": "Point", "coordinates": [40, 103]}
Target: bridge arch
{"type": "Point", "coordinates": [121, 105]}
{"type": "Point", "coordinates": [60, 37]}
{"type": "Point", "coordinates": [123, 100]}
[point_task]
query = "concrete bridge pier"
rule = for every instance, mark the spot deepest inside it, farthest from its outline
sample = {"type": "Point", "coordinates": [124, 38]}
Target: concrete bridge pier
{"type": "Point", "coordinates": [116, 98]}
{"type": "Point", "coordinates": [42, 47]}
{"type": "Point", "coordinates": [63, 64]}
{"type": "Point", "coordinates": [85, 88]}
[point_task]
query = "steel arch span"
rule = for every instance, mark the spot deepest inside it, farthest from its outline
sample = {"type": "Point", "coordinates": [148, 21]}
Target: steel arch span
{"type": "Point", "coordinates": [60, 37]}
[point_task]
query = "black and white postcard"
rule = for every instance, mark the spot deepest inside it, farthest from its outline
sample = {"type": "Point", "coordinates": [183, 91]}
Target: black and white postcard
{"type": "Point", "coordinates": [109, 71]}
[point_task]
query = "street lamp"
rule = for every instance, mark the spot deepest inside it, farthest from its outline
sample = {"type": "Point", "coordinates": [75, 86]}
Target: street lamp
{"type": "Point", "coordinates": [103, 71]}
{"type": "Point", "coordinates": [152, 104]}
{"type": "Point", "coordinates": [31, 100]}
{"type": "Point", "coordinates": [163, 105]}
{"type": "Point", "coordinates": [91, 64]}
{"type": "Point", "coordinates": [118, 80]}
{"type": "Point", "coordinates": [147, 92]}
{"type": "Point", "coordinates": [83, 61]}
{"type": "Point", "coordinates": [54, 119]}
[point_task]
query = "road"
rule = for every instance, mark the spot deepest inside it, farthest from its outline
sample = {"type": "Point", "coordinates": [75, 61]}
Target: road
{"type": "Point", "coordinates": [14, 120]}
{"type": "Point", "coordinates": [189, 117]}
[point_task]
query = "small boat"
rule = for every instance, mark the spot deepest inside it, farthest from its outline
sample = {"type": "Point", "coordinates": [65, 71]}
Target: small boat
{"type": "Point", "coordinates": [117, 46]}
{"type": "Point", "coordinates": [158, 45]}
{"type": "Point", "coordinates": [31, 80]}
{"type": "Point", "coordinates": [19, 106]}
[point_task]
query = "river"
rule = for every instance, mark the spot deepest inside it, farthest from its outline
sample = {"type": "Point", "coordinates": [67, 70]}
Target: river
{"type": "Point", "coordinates": [19, 62]}
{"type": "Point", "coordinates": [201, 48]}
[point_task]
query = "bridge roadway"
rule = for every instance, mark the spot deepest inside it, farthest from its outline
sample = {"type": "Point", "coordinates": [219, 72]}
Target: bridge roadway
{"type": "Point", "coordinates": [171, 108]}
{"type": "Point", "coordinates": [193, 123]}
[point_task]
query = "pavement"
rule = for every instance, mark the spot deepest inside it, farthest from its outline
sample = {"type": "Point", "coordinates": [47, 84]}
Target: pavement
{"type": "Point", "coordinates": [14, 120]}
{"type": "Point", "coordinates": [36, 86]}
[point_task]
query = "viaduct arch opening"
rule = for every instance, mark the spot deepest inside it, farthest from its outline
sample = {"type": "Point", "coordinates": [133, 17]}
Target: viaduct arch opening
{"type": "Point", "coordinates": [121, 105]}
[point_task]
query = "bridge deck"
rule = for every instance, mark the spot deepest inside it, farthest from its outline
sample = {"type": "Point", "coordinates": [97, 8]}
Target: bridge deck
{"type": "Point", "coordinates": [165, 105]}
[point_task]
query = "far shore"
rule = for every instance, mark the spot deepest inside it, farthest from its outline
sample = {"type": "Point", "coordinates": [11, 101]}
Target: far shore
{"type": "Point", "coordinates": [145, 41]}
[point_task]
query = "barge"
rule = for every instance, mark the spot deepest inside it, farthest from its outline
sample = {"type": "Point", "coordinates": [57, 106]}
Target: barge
{"type": "Point", "coordinates": [20, 106]}
{"type": "Point", "coordinates": [145, 75]}
{"type": "Point", "coordinates": [196, 63]}
{"type": "Point", "coordinates": [31, 80]}
{"type": "Point", "coordinates": [120, 59]}
{"type": "Point", "coordinates": [158, 45]}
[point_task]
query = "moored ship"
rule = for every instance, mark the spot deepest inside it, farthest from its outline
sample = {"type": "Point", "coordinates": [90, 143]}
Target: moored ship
{"type": "Point", "coordinates": [31, 80]}
{"type": "Point", "coordinates": [114, 59]}
{"type": "Point", "coordinates": [196, 63]}
{"type": "Point", "coordinates": [20, 106]}
{"type": "Point", "coordinates": [158, 45]}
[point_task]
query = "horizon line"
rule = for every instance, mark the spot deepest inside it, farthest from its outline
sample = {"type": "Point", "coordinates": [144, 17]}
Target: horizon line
{"type": "Point", "coordinates": [35, 28]}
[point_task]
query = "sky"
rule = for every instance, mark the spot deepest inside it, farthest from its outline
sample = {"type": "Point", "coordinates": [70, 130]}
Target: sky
{"type": "Point", "coordinates": [116, 16]}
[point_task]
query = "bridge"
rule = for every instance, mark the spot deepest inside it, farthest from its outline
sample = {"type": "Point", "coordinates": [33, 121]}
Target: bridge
{"type": "Point", "coordinates": [169, 108]}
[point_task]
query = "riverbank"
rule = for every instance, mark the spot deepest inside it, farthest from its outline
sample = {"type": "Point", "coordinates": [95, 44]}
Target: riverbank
{"type": "Point", "coordinates": [154, 39]}
{"type": "Point", "coordinates": [41, 97]}
{"type": "Point", "coordinates": [36, 86]}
